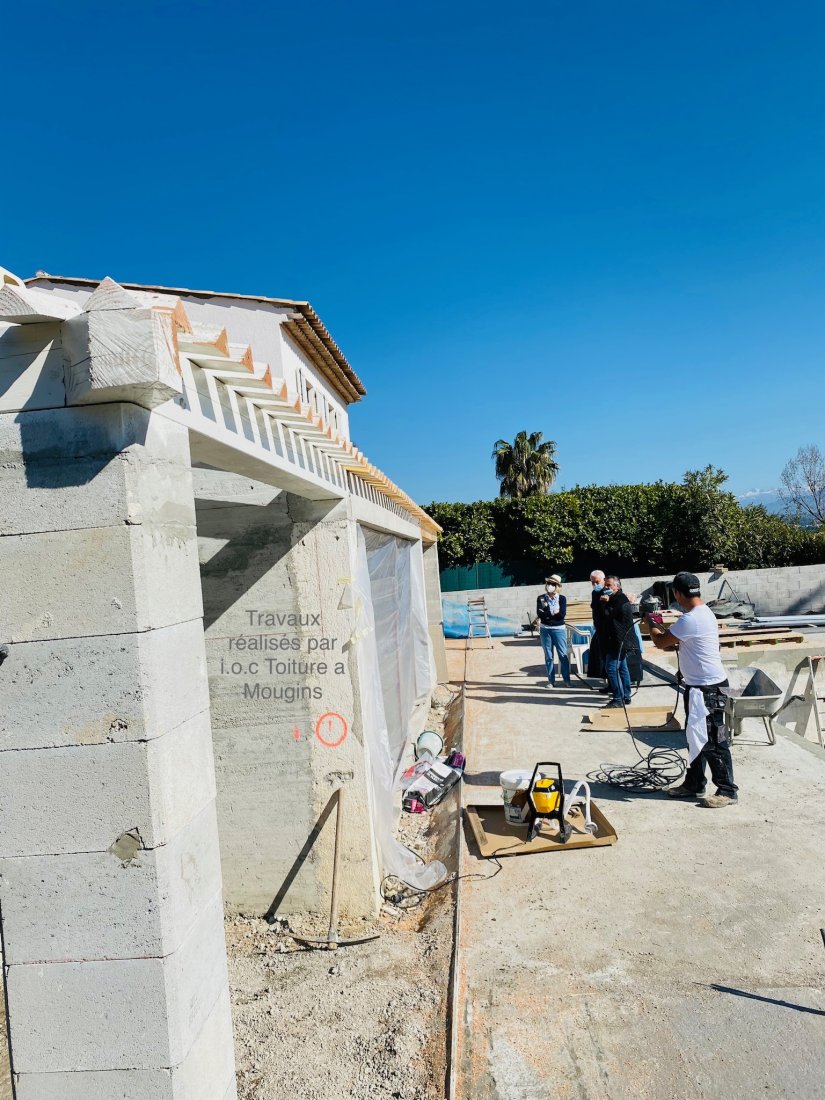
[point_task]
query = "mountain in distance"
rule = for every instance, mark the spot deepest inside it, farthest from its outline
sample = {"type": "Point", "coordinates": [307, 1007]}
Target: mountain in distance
{"type": "Point", "coordinates": [768, 498]}
{"type": "Point", "coordinates": [772, 502]}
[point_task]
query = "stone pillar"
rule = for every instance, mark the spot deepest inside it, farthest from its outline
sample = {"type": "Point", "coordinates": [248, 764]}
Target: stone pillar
{"type": "Point", "coordinates": [275, 571]}
{"type": "Point", "coordinates": [435, 614]}
{"type": "Point", "coordinates": [109, 872]}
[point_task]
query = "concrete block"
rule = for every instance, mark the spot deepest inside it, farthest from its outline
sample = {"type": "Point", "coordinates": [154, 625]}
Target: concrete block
{"type": "Point", "coordinates": [207, 1071]}
{"type": "Point", "coordinates": [49, 437]}
{"type": "Point", "coordinates": [126, 1084]}
{"type": "Point", "coordinates": [125, 488]}
{"type": "Point", "coordinates": [99, 905]}
{"type": "Point", "coordinates": [120, 354]}
{"type": "Point", "coordinates": [32, 381]}
{"type": "Point", "coordinates": [81, 799]}
{"type": "Point", "coordinates": [88, 691]}
{"type": "Point", "coordinates": [109, 580]}
{"type": "Point", "coordinates": [208, 1068]}
{"type": "Point", "coordinates": [133, 1014]}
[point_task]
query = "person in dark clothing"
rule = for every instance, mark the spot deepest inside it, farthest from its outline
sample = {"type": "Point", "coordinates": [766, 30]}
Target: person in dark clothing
{"type": "Point", "coordinates": [551, 608]}
{"type": "Point", "coordinates": [619, 639]}
{"type": "Point", "coordinates": [595, 657]}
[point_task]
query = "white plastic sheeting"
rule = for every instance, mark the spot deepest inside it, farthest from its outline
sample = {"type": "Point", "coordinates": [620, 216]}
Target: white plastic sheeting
{"type": "Point", "coordinates": [397, 676]}
{"type": "Point", "coordinates": [402, 639]}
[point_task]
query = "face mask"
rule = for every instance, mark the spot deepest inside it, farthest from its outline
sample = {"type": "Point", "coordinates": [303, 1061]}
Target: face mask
{"type": "Point", "coordinates": [598, 587]}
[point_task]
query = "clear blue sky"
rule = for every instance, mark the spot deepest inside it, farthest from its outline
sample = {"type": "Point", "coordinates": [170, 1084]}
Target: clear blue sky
{"type": "Point", "coordinates": [603, 221]}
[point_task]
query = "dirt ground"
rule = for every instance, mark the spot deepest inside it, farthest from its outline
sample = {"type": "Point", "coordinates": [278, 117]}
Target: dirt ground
{"type": "Point", "coordinates": [366, 1022]}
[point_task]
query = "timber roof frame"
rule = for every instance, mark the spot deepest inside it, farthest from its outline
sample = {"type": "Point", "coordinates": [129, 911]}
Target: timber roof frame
{"type": "Point", "coordinates": [305, 328]}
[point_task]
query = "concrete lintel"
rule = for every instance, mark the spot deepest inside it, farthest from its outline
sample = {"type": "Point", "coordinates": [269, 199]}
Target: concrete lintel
{"type": "Point", "coordinates": [382, 519]}
{"type": "Point", "coordinates": [213, 445]}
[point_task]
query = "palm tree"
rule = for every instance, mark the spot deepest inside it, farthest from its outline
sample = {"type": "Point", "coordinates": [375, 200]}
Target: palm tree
{"type": "Point", "coordinates": [525, 466]}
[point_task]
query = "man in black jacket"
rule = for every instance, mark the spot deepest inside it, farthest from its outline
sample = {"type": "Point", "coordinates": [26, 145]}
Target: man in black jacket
{"type": "Point", "coordinates": [619, 639]}
{"type": "Point", "coordinates": [596, 655]}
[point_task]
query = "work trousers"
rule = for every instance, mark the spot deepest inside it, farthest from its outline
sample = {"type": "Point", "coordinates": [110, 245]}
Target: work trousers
{"type": "Point", "coordinates": [555, 637]}
{"type": "Point", "coordinates": [618, 676]}
{"type": "Point", "coordinates": [716, 753]}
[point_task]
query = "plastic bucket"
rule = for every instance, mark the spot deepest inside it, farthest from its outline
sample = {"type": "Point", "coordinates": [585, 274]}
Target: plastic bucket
{"type": "Point", "coordinates": [429, 741]}
{"type": "Point", "coordinates": [514, 786]}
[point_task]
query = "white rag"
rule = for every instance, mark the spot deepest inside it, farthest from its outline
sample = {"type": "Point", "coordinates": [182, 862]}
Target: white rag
{"type": "Point", "coordinates": [696, 727]}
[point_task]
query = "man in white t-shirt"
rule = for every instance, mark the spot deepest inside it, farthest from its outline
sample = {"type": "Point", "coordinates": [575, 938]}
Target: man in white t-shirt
{"type": "Point", "coordinates": [696, 635]}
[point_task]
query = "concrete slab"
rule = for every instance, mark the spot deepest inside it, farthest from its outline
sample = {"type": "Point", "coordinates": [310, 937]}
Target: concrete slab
{"type": "Point", "coordinates": [684, 961]}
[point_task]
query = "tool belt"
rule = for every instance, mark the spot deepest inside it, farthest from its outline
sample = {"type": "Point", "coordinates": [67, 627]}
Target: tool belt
{"type": "Point", "coordinates": [715, 700]}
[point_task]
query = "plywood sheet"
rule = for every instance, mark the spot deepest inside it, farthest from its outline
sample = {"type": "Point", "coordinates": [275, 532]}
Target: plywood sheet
{"type": "Point", "coordinates": [495, 837]}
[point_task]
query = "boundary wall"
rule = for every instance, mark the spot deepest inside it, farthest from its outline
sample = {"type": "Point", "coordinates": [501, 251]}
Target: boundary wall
{"type": "Point", "coordinates": [793, 590]}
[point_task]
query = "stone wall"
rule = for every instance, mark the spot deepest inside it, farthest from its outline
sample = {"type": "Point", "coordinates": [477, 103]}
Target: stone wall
{"type": "Point", "coordinates": [109, 872]}
{"type": "Point", "coordinates": [273, 574]}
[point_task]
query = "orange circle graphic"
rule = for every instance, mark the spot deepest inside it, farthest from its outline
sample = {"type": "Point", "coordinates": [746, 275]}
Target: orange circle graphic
{"type": "Point", "coordinates": [335, 723]}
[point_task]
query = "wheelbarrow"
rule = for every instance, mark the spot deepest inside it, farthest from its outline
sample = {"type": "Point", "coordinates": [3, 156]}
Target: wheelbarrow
{"type": "Point", "coordinates": [751, 694]}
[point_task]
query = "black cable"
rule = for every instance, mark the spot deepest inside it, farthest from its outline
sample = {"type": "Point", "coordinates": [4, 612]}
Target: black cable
{"type": "Point", "coordinates": [417, 893]}
{"type": "Point", "coordinates": [654, 770]}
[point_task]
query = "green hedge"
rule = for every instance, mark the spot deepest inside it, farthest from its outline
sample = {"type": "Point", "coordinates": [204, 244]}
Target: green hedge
{"type": "Point", "coordinates": [641, 529]}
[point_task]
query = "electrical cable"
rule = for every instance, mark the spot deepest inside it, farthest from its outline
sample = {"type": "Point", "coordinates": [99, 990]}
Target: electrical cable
{"type": "Point", "coordinates": [416, 893]}
{"type": "Point", "coordinates": [654, 770]}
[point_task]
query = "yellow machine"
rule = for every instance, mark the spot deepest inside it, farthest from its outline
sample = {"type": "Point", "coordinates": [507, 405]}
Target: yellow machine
{"type": "Point", "coordinates": [547, 801]}
{"type": "Point", "coordinates": [546, 795]}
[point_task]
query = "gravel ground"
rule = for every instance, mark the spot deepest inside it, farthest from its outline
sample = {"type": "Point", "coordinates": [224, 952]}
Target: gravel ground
{"type": "Point", "coordinates": [364, 1023]}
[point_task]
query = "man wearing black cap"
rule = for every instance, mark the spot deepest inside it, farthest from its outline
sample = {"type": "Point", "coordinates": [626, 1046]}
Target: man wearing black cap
{"type": "Point", "coordinates": [696, 634]}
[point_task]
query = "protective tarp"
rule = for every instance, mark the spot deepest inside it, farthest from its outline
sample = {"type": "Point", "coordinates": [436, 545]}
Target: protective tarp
{"type": "Point", "coordinates": [396, 677]}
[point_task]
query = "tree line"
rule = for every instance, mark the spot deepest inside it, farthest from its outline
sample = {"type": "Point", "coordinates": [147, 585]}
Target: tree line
{"type": "Point", "coordinates": [650, 528]}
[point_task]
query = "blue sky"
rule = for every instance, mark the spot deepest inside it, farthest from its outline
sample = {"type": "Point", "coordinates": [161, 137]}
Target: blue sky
{"type": "Point", "coordinates": [601, 221]}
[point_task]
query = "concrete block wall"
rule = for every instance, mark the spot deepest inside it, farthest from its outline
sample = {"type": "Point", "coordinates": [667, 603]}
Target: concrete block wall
{"type": "Point", "coordinates": [787, 591]}
{"type": "Point", "coordinates": [435, 614]}
{"type": "Point", "coordinates": [110, 880]}
{"type": "Point", "coordinates": [265, 552]}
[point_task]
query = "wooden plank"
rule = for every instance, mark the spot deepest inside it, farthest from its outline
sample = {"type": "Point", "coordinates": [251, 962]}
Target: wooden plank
{"type": "Point", "coordinates": [613, 718]}
{"type": "Point", "coordinates": [28, 305]}
{"type": "Point", "coordinates": [746, 639]}
{"type": "Point", "coordinates": [735, 630]}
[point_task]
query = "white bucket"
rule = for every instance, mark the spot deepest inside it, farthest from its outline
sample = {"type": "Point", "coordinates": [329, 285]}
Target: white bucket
{"type": "Point", "coordinates": [514, 786]}
{"type": "Point", "coordinates": [429, 741]}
